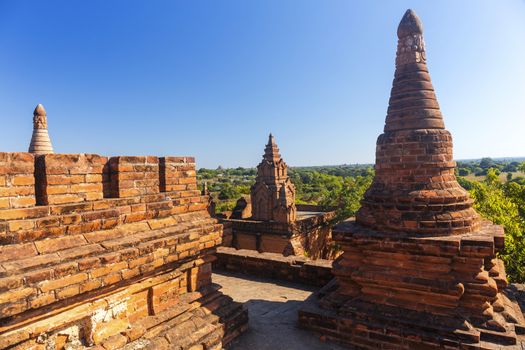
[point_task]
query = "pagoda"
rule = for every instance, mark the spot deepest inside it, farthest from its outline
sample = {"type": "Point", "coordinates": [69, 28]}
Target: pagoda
{"type": "Point", "coordinates": [269, 221]}
{"type": "Point", "coordinates": [273, 194]}
{"type": "Point", "coordinates": [419, 268]}
{"type": "Point", "coordinates": [40, 141]}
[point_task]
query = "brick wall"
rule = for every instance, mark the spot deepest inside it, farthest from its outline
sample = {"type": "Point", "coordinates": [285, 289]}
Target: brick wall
{"type": "Point", "coordinates": [290, 268]}
{"type": "Point", "coordinates": [106, 271]}
{"type": "Point", "coordinates": [177, 173]}
{"type": "Point", "coordinates": [17, 183]}
{"type": "Point", "coordinates": [69, 178]}
{"type": "Point", "coordinates": [134, 176]}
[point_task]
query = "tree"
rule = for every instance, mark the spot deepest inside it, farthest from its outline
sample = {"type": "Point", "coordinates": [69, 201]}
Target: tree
{"type": "Point", "coordinates": [347, 199]}
{"type": "Point", "coordinates": [521, 167]}
{"type": "Point", "coordinates": [229, 192]}
{"type": "Point", "coordinates": [501, 203]}
{"type": "Point", "coordinates": [486, 163]}
{"type": "Point", "coordinates": [463, 171]}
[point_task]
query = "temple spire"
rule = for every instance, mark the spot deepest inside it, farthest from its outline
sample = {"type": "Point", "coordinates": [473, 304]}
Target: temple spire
{"type": "Point", "coordinates": [414, 188]}
{"type": "Point", "coordinates": [273, 194]}
{"type": "Point", "coordinates": [413, 103]}
{"type": "Point", "coordinates": [40, 141]}
{"type": "Point", "coordinates": [271, 152]}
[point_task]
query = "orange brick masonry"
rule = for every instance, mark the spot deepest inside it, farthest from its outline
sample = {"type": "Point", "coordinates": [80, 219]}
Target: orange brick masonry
{"type": "Point", "coordinates": [100, 252]}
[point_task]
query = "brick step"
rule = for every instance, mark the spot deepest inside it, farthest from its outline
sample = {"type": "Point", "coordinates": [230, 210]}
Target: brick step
{"type": "Point", "coordinates": [425, 324]}
{"type": "Point", "coordinates": [193, 327]}
{"type": "Point", "coordinates": [45, 279]}
{"type": "Point", "coordinates": [13, 252]}
{"type": "Point", "coordinates": [139, 240]}
{"type": "Point", "coordinates": [32, 224]}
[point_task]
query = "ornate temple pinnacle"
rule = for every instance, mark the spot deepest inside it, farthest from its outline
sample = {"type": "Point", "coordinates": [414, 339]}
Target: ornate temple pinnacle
{"type": "Point", "coordinates": [40, 142]}
{"type": "Point", "coordinates": [205, 191]}
{"type": "Point", "coordinates": [271, 151]}
{"type": "Point", "coordinates": [413, 103]}
{"type": "Point", "coordinates": [410, 45]}
{"type": "Point", "coordinates": [410, 25]}
{"type": "Point", "coordinates": [271, 139]}
{"type": "Point", "coordinates": [40, 117]}
{"type": "Point", "coordinates": [417, 261]}
{"type": "Point", "coordinates": [273, 194]}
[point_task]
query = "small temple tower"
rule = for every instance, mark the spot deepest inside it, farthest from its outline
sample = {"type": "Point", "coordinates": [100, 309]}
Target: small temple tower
{"type": "Point", "coordinates": [273, 194]}
{"type": "Point", "coordinates": [40, 142]}
{"type": "Point", "coordinates": [420, 266]}
{"type": "Point", "coordinates": [269, 221]}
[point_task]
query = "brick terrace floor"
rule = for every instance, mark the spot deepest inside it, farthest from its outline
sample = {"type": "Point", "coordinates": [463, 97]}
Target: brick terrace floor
{"type": "Point", "coordinates": [272, 307]}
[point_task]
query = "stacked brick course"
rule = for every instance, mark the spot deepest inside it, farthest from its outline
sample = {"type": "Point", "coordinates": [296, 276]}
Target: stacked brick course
{"type": "Point", "coordinates": [69, 178]}
{"type": "Point", "coordinates": [419, 268]}
{"type": "Point", "coordinates": [177, 173]}
{"type": "Point", "coordinates": [85, 271]}
{"type": "Point", "coordinates": [298, 269]}
{"type": "Point", "coordinates": [17, 182]}
{"type": "Point", "coordinates": [134, 176]}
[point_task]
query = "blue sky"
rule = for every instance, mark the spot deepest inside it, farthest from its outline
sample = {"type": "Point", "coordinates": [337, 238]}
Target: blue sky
{"type": "Point", "coordinates": [213, 78]}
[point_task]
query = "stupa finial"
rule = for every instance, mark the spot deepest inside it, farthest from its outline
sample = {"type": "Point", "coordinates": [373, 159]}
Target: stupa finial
{"type": "Point", "coordinates": [40, 141]}
{"type": "Point", "coordinates": [410, 25]}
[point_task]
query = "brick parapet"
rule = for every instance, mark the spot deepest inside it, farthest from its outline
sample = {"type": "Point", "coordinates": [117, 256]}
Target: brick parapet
{"type": "Point", "coordinates": [177, 173]}
{"type": "Point", "coordinates": [134, 176]}
{"type": "Point", "coordinates": [59, 256]}
{"type": "Point", "coordinates": [282, 229]}
{"type": "Point", "coordinates": [309, 235]}
{"type": "Point", "coordinates": [69, 178]}
{"type": "Point", "coordinates": [17, 182]}
{"type": "Point", "coordinates": [287, 268]}
{"type": "Point", "coordinates": [27, 180]}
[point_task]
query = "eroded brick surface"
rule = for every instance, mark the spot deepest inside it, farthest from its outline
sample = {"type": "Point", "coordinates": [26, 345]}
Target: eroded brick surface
{"type": "Point", "coordinates": [88, 271]}
{"type": "Point", "coordinates": [17, 182]}
{"type": "Point", "coordinates": [419, 268]}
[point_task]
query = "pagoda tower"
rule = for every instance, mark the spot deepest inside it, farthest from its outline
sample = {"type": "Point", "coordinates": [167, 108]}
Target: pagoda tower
{"type": "Point", "coordinates": [415, 189]}
{"type": "Point", "coordinates": [273, 194]}
{"type": "Point", "coordinates": [40, 142]}
{"type": "Point", "coordinates": [419, 268]}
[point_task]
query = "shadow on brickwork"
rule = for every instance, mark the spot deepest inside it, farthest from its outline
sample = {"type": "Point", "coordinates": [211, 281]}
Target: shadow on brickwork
{"type": "Point", "coordinates": [272, 307]}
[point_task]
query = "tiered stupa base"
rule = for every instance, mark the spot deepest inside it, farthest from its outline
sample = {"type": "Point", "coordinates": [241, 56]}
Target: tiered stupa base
{"type": "Point", "coordinates": [398, 291]}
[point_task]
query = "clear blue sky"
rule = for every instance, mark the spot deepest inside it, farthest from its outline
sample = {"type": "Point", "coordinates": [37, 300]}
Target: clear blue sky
{"type": "Point", "coordinates": [213, 78]}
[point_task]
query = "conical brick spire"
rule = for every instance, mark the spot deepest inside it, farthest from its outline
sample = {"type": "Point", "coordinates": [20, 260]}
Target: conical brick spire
{"type": "Point", "coordinates": [415, 189]}
{"type": "Point", "coordinates": [413, 103]}
{"type": "Point", "coordinates": [419, 268]}
{"type": "Point", "coordinates": [40, 142]}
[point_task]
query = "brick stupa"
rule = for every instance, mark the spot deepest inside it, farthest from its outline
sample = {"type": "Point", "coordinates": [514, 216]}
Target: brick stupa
{"type": "Point", "coordinates": [40, 141]}
{"type": "Point", "coordinates": [419, 268]}
{"type": "Point", "coordinates": [273, 194]}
